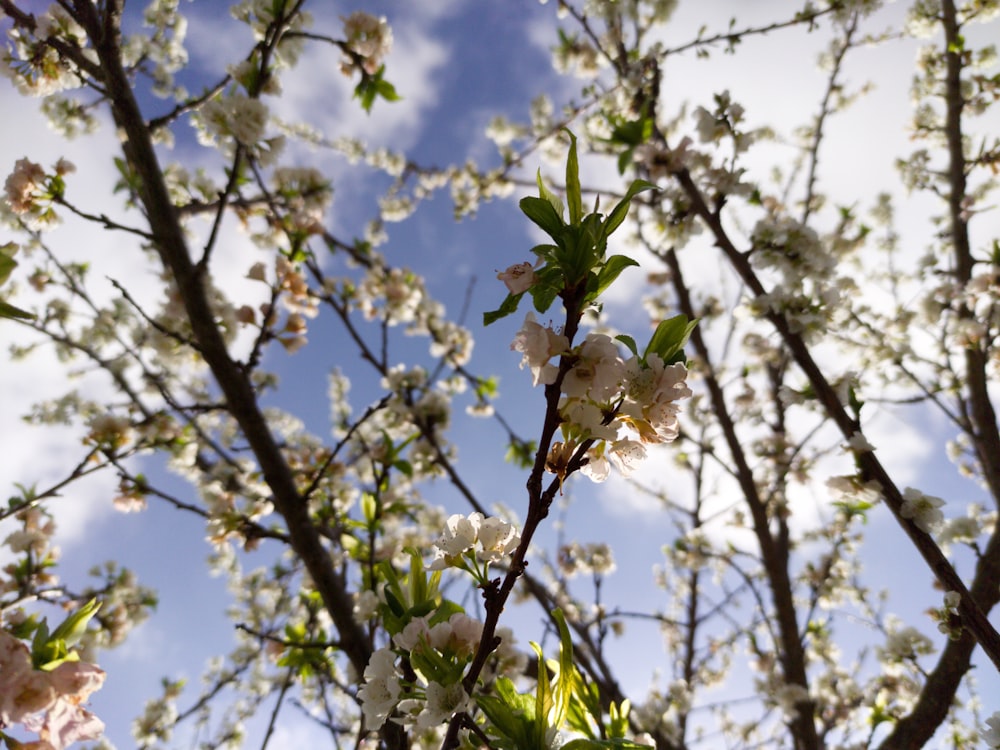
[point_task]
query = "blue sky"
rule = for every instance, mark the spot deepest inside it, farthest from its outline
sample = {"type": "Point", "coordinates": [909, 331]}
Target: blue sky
{"type": "Point", "coordinates": [456, 63]}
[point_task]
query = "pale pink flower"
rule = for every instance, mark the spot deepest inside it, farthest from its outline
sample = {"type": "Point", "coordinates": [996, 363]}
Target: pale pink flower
{"type": "Point", "coordinates": [257, 272]}
{"type": "Point", "coordinates": [587, 419]}
{"type": "Point", "coordinates": [650, 407]}
{"type": "Point", "coordinates": [626, 455]}
{"type": "Point", "coordinates": [466, 633]}
{"type": "Point", "coordinates": [518, 278]}
{"type": "Point", "coordinates": [24, 186]}
{"type": "Point", "coordinates": [368, 37]}
{"type": "Point", "coordinates": [598, 371]}
{"type": "Point", "coordinates": [77, 679]}
{"type": "Point", "coordinates": [65, 723]}
{"type": "Point", "coordinates": [539, 344]}
{"type": "Point", "coordinates": [24, 693]}
{"type": "Point", "coordinates": [47, 702]}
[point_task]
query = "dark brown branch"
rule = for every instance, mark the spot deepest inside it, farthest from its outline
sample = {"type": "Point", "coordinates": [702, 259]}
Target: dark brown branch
{"type": "Point", "coordinates": [871, 467]}
{"type": "Point", "coordinates": [234, 383]}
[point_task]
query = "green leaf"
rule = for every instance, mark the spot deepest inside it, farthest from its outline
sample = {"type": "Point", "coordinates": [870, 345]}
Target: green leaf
{"type": "Point", "coordinates": [369, 507]}
{"type": "Point", "coordinates": [544, 214]}
{"type": "Point", "coordinates": [543, 698]}
{"type": "Point", "coordinates": [620, 211]}
{"type": "Point", "coordinates": [436, 667]}
{"type": "Point", "coordinates": [521, 453]}
{"type": "Point", "coordinates": [567, 670]}
{"type": "Point", "coordinates": [632, 132]}
{"type": "Point", "coordinates": [7, 264]}
{"type": "Point", "coordinates": [545, 194]}
{"type": "Point", "coordinates": [615, 742]}
{"type": "Point", "coordinates": [618, 723]}
{"type": "Point", "coordinates": [610, 271]}
{"type": "Point", "coordinates": [857, 508]}
{"type": "Point", "coordinates": [9, 311]}
{"type": "Point", "coordinates": [629, 343]}
{"type": "Point", "coordinates": [418, 577]}
{"type": "Point", "coordinates": [573, 193]}
{"type": "Point", "coordinates": [624, 159]}
{"type": "Point", "coordinates": [508, 306]}
{"type": "Point", "coordinates": [71, 629]}
{"type": "Point", "coordinates": [444, 611]}
{"type": "Point", "coordinates": [510, 714]}
{"type": "Point", "coordinates": [373, 86]}
{"type": "Point", "coordinates": [387, 91]}
{"type": "Point", "coordinates": [130, 180]}
{"type": "Point", "coordinates": [546, 253]}
{"type": "Point", "coordinates": [395, 605]}
{"type": "Point", "coordinates": [543, 296]}
{"type": "Point", "coordinates": [669, 339]}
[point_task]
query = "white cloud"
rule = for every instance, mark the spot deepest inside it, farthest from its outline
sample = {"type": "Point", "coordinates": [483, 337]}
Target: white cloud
{"type": "Point", "coordinates": [411, 67]}
{"type": "Point", "coordinates": [42, 456]}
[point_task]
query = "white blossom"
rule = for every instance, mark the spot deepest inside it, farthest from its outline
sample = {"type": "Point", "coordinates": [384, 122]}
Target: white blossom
{"type": "Point", "coordinates": [539, 344]}
{"type": "Point", "coordinates": [991, 735]}
{"type": "Point", "coordinates": [380, 693]}
{"type": "Point", "coordinates": [923, 510]}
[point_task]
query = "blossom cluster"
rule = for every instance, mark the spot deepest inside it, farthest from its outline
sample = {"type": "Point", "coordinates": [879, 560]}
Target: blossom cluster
{"type": "Point", "coordinates": [237, 116]}
{"type": "Point", "coordinates": [29, 191]}
{"type": "Point", "coordinates": [805, 289]}
{"type": "Point", "coordinates": [47, 701]}
{"type": "Point", "coordinates": [438, 653]}
{"type": "Point", "coordinates": [491, 539]}
{"type": "Point", "coordinates": [623, 404]}
{"type": "Point", "coordinates": [36, 67]}
{"type": "Point", "coordinates": [367, 37]}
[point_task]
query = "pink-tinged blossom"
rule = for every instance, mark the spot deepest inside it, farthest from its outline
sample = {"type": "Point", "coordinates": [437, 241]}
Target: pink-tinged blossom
{"type": "Point", "coordinates": [653, 390]}
{"type": "Point", "coordinates": [23, 691]}
{"type": "Point", "coordinates": [518, 278]}
{"type": "Point", "coordinates": [369, 38]}
{"type": "Point", "coordinates": [77, 679]}
{"type": "Point", "coordinates": [626, 455]}
{"type": "Point", "coordinates": [25, 186]}
{"type": "Point", "coordinates": [47, 702]}
{"type": "Point", "coordinates": [598, 371]}
{"type": "Point", "coordinates": [587, 419]}
{"type": "Point", "coordinates": [65, 723]}
{"type": "Point", "coordinates": [539, 344]}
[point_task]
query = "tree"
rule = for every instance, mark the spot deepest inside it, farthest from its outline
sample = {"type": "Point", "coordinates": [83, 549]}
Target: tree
{"type": "Point", "coordinates": [788, 322]}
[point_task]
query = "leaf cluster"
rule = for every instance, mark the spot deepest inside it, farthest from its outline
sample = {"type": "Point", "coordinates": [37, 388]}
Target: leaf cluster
{"type": "Point", "coordinates": [574, 265]}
